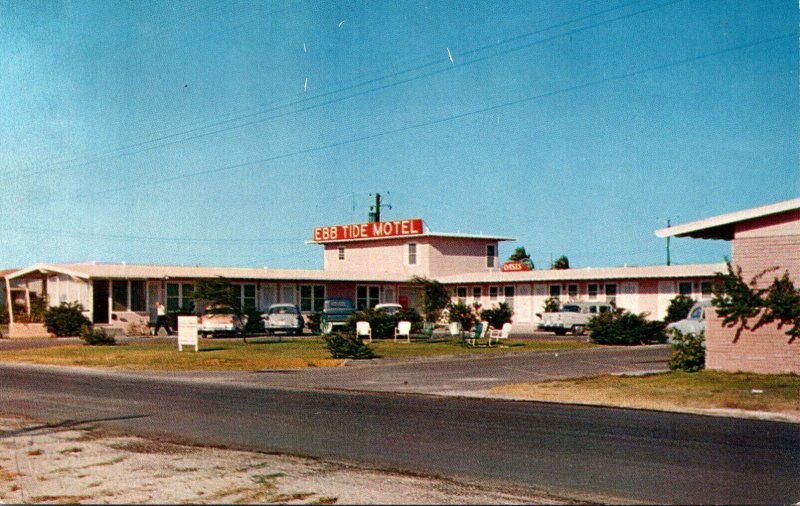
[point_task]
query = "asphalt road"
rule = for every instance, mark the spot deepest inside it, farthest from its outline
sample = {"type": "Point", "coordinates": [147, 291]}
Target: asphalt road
{"type": "Point", "coordinates": [640, 455]}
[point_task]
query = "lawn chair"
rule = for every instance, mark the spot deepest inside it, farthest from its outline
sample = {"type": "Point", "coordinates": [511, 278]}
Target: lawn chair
{"type": "Point", "coordinates": [427, 330]}
{"type": "Point", "coordinates": [454, 328]}
{"type": "Point", "coordinates": [478, 331]}
{"type": "Point", "coordinates": [403, 329]}
{"type": "Point", "coordinates": [497, 335]}
{"type": "Point", "coordinates": [363, 329]}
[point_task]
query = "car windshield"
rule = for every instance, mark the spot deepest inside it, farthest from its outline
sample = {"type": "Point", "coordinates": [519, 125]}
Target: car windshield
{"type": "Point", "coordinates": [571, 309]}
{"type": "Point", "coordinates": [340, 304]}
{"type": "Point", "coordinates": [283, 310]}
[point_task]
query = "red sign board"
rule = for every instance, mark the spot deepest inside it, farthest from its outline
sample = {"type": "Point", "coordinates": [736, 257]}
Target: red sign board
{"type": "Point", "coordinates": [375, 230]}
{"type": "Point", "coordinates": [516, 266]}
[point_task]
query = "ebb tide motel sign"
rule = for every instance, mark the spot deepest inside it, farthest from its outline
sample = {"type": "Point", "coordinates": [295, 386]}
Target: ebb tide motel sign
{"type": "Point", "coordinates": [374, 230]}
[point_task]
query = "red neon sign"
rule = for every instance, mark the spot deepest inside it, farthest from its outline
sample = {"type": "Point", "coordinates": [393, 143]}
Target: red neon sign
{"type": "Point", "coordinates": [516, 266]}
{"type": "Point", "coordinates": [375, 230]}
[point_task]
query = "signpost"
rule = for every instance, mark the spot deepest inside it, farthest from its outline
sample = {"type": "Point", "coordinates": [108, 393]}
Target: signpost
{"type": "Point", "coordinates": [187, 332]}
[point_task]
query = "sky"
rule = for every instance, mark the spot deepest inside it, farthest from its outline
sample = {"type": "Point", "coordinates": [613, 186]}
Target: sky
{"type": "Point", "coordinates": [221, 132]}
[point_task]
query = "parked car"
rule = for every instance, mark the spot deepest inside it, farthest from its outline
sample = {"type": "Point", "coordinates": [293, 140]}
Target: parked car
{"type": "Point", "coordinates": [335, 312]}
{"type": "Point", "coordinates": [695, 321]}
{"type": "Point", "coordinates": [572, 317]}
{"type": "Point", "coordinates": [388, 308]}
{"type": "Point", "coordinates": [283, 318]}
{"type": "Point", "coordinates": [221, 320]}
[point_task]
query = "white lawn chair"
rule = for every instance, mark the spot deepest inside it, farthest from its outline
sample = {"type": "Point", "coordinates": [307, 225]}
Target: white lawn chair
{"type": "Point", "coordinates": [497, 335]}
{"type": "Point", "coordinates": [455, 329]}
{"type": "Point", "coordinates": [403, 329]}
{"type": "Point", "coordinates": [363, 329]}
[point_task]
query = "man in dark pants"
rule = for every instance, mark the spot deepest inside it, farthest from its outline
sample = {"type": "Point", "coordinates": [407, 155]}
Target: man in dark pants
{"type": "Point", "coordinates": [161, 319]}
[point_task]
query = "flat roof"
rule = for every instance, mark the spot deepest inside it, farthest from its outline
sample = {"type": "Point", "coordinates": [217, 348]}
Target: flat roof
{"type": "Point", "coordinates": [723, 226]}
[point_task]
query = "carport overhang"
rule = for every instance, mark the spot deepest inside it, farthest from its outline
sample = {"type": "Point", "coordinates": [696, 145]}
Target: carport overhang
{"type": "Point", "coordinates": [40, 269]}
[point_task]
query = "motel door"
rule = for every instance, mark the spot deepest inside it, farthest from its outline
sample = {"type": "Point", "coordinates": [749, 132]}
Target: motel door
{"type": "Point", "coordinates": [100, 293]}
{"type": "Point", "coordinates": [522, 304]}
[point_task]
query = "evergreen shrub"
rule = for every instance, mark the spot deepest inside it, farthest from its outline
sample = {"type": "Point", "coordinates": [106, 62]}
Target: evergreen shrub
{"type": "Point", "coordinates": [65, 320]}
{"type": "Point", "coordinates": [688, 351]}
{"type": "Point", "coordinates": [347, 346]}
{"type": "Point", "coordinates": [97, 337]}
{"type": "Point", "coordinates": [626, 328]}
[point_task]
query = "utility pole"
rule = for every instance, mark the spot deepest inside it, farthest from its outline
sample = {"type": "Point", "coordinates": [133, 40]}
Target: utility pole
{"type": "Point", "coordinates": [375, 211]}
{"type": "Point", "coordinates": [669, 224]}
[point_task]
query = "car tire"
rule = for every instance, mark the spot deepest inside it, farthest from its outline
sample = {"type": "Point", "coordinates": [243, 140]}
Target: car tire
{"type": "Point", "coordinates": [560, 332]}
{"type": "Point", "coordinates": [578, 330]}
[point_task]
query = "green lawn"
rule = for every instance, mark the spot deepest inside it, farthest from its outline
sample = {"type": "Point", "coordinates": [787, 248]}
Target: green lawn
{"type": "Point", "coordinates": [779, 393]}
{"type": "Point", "coordinates": [258, 353]}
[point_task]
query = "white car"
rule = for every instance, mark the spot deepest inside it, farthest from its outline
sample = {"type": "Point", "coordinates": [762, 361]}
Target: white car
{"type": "Point", "coordinates": [283, 318]}
{"type": "Point", "coordinates": [695, 321]}
{"type": "Point", "coordinates": [388, 308]}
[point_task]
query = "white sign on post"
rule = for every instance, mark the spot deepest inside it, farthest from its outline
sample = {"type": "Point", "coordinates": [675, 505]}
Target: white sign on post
{"type": "Point", "coordinates": [187, 332]}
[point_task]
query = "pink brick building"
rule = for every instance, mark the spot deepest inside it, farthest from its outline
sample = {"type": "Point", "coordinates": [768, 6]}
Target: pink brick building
{"type": "Point", "coordinates": [762, 238]}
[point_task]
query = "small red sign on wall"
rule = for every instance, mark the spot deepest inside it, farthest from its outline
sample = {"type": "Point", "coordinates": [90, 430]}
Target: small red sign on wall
{"type": "Point", "coordinates": [374, 230]}
{"type": "Point", "coordinates": [516, 266]}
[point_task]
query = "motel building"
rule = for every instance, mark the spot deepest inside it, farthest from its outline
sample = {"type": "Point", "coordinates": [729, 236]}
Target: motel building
{"type": "Point", "coordinates": [368, 262]}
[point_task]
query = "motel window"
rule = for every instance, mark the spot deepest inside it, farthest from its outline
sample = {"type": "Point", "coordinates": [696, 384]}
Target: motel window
{"type": "Point", "coordinates": [412, 253]}
{"type": "Point", "coordinates": [555, 291]}
{"type": "Point", "coordinates": [572, 291]}
{"type": "Point", "coordinates": [461, 293]}
{"type": "Point", "coordinates": [705, 289]}
{"type": "Point", "coordinates": [685, 288]}
{"type": "Point", "coordinates": [491, 253]}
{"type": "Point", "coordinates": [312, 297]}
{"type": "Point", "coordinates": [119, 295]}
{"type": "Point", "coordinates": [341, 252]}
{"type": "Point", "coordinates": [248, 296]}
{"type": "Point", "coordinates": [611, 292]}
{"type": "Point", "coordinates": [493, 291]}
{"type": "Point", "coordinates": [367, 296]}
{"type": "Point", "coordinates": [138, 296]}
{"type": "Point", "coordinates": [179, 296]}
{"type": "Point", "coordinates": [592, 290]}
{"type": "Point", "coordinates": [508, 292]}
{"type": "Point", "coordinates": [476, 293]}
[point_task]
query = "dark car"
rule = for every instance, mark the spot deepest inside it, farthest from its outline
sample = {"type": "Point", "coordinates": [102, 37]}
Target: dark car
{"type": "Point", "coordinates": [335, 312]}
{"type": "Point", "coordinates": [283, 318]}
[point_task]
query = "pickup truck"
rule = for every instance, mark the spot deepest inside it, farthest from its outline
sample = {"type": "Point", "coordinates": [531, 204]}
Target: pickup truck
{"type": "Point", "coordinates": [572, 317]}
{"type": "Point", "coordinates": [335, 312]}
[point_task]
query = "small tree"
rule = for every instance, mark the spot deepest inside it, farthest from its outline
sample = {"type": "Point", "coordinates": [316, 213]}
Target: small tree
{"type": "Point", "coordinates": [736, 301]}
{"type": "Point", "coordinates": [520, 255]}
{"type": "Point", "coordinates": [560, 263]}
{"type": "Point", "coordinates": [678, 308]}
{"type": "Point", "coordinates": [435, 297]}
{"type": "Point", "coordinates": [463, 314]}
{"type": "Point", "coordinates": [497, 316]}
{"type": "Point", "coordinates": [551, 305]}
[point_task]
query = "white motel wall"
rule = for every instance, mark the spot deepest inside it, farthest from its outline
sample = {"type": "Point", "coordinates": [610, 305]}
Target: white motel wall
{"type": "Point", "coordinates": [368, 268]}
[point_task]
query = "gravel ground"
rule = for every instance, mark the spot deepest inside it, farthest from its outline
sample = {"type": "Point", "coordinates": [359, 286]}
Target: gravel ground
{"type": "Point", "coordinates": [84, 464]}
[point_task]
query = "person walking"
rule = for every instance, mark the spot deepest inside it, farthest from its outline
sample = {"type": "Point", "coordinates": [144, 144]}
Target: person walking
{"type": "Point", "coordinates": [161, 319]}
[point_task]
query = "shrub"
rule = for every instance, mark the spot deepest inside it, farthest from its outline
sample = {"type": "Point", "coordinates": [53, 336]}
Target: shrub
{"type": "Point", "coordinates": [66, 319]}
{"type": "Point", "coordinates": [463, 314]}
{"type": "Point", "coordinates": [616, 327]}
{"type": "Point", "coordinates": [172, 316]}
{"type": "Point", "coordinates": [254, 323]}
{"type": "Point", "coordinates": [678, 308]}
{"type": "Point", "coordinates": [497, 316]}
{"type": "Point", "coordinates": [313, 322]}
{"type": "Point", "coordinates": [3, 315]}
{"type": "Point", "coordinates": [347, 346]}
{"type": "Point", "coordinates": [435, 297]}
{"type": "Point", "coordinates": [96, 337]}
{"type": "Point", "coordinates": [382, 325]}
{"type": "Point", "coordinates": [688, 351]}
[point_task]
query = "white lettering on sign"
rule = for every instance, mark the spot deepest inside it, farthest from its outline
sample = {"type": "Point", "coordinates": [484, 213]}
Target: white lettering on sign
{"type": "Point", "coordinates": [515, 266]}
{"type": "Point", "coordinates": [187, 332]}
{"type": "Point", "coordinates": [382, 229]}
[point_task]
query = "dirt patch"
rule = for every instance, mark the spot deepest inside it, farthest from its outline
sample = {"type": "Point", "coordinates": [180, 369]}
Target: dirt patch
{"type": "Point", "coordinates": [83, 464]}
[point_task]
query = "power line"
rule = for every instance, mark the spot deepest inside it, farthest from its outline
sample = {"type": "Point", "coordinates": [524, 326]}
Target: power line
{"type": "Point", "coordinates": [451, 117]}
{"type": "Point", "coordinates": [119, 152]}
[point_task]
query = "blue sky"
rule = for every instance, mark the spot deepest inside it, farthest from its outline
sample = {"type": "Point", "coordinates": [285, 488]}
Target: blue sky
{"type": "Point", "coordinates": [221, 132]}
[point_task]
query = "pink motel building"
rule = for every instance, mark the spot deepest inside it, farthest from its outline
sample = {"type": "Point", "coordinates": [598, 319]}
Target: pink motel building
{"type": "Point", "coordinates": [766, 237]}
{"type": "Point", "coordinates": [368, 262]}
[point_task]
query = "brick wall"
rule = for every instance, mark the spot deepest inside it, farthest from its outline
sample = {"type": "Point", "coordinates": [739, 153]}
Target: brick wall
{"type": "Point", "coordinates": [28, 330]}
{"type": "Point", "coordinates": [754, 254]}
{"type": "Point", "coordinates": [768, 350]}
